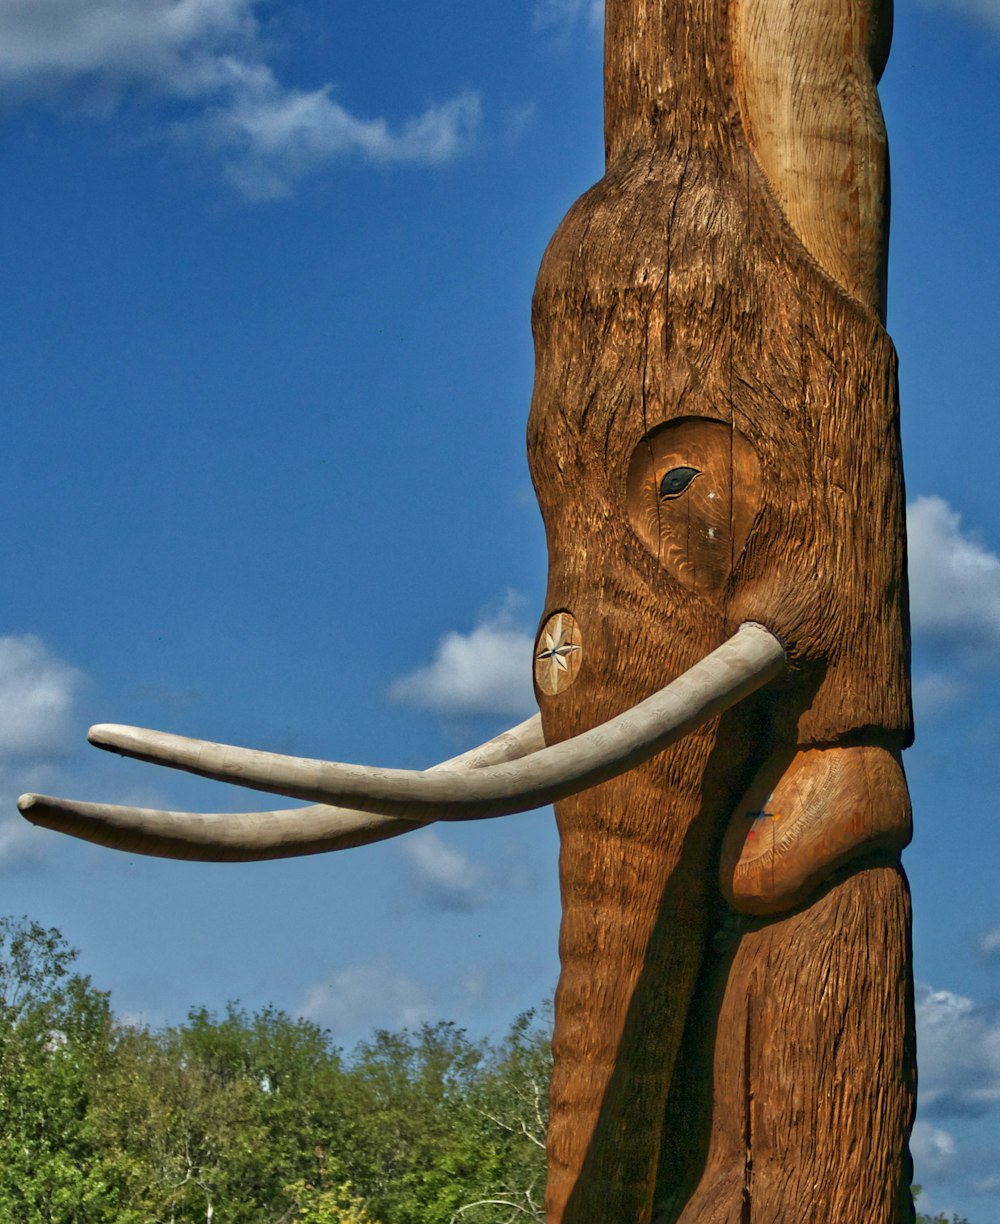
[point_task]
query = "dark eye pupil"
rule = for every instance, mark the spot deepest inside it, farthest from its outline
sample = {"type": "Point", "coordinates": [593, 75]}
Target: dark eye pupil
{"type": "Point", "coordinates": [677, 480]}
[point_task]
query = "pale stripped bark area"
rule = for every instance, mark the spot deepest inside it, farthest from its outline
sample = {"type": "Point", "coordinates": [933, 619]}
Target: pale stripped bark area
{"type": "Point", "coordinates": [805, 74]}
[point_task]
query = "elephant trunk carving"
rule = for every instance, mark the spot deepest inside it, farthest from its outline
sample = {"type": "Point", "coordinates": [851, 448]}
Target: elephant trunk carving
{"type": "Point", "coordinates": [722, 664]}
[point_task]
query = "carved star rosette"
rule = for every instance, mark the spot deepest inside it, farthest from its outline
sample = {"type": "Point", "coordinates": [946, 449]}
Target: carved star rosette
{"type": "Point", "coordinates": [558, 653]}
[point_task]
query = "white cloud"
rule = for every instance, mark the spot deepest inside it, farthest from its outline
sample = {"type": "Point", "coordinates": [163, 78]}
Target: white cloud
{"type": "Point", "coordinates": [364, 997]}
{"type": "Point", "coordinates": [20, 843]}
{"type": "Point", "coordinates": [959, 1052]}
{"type": "Point", "coordinates": [443, 877]}
{"type": "Point", "coordinates": [486, 671]}
{"type": "Point", "coordinates": [940, 1160]}
{"type": "Point", "coordinates": [989, 944]}
{"type": "Point", "coordinates": [36, 696]}
{"type": "Point", "coordinates": [177, 45]}
{"type": "Point", "coordinates": [954, 578]}
{"type": "Point", "coordinates": [37, 692]}
{"type": "Point", "coordinates": [954, 604]}
{"type": "Point", "coordinates": [208, 57]}
{"type": "Point", "coordinates": [933, 1150]}
{"type": "Point", "coordinates": [270, 137]}
{"type": "Point", "coordinates": [566, 15]}
{"type": "Point", "coordinates": [981, 10]}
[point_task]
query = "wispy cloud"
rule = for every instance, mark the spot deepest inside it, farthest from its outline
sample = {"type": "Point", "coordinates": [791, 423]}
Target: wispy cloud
{"type": "Point", "coordinates": [357, 999]}
{"type": "Point", "coordinates": [934, 1150]}
{"type": "Point", "coordinates": [486, 671]}
{"type": "Point", "coordinates": [37, 694]}
{"type": "Point", "coordinates": [989, 944]}
{"type": "Point", "coordinates": [958, 1042]}
{"type": "Point", "coordinates": [207, 59]}
{"type": "Point", "coordinates": [37, 691]}
{"type": "Point", "coordinates": [270, 137]}
{"type": "Point", "coordinates": [959, 1054]}
{"type": "Point", "coordinates": [360, 998]}
{"type": "Point", "coordinates": [936, 690]}
{"type": "Point", "coordinates": [566, 15]}
{"type": "Point", "coordinates": [944, 1165]}
{"type": "Point", "coordinates": [444, 878]}
{"type": "Point", "coordinates": [980, 10]}
{"type": "Point", "coordinates": [954, 603]}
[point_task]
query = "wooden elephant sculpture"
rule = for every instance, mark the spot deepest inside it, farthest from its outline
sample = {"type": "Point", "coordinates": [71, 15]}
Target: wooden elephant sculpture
{"type": "Point", "coordinates": [722, 663]}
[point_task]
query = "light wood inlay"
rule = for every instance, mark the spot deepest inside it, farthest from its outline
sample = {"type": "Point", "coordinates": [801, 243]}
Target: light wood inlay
{"type": "Point", "coordinates": [558, 653]}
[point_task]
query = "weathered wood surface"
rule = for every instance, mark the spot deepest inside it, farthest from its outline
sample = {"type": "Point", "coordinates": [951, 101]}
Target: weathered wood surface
{"type": "Point", "coordinates": [724, 279]}
{"type": "Point", "coordinates": [804, 1072]}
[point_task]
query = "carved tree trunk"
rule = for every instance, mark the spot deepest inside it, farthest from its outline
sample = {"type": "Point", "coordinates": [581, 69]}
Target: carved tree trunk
{"type": "Point", "coordinates": [714, 439]}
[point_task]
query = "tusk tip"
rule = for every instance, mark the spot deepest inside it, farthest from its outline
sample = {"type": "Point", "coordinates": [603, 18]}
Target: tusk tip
{"type": "Point", "coordinates": [37, 808]}
{"type": "Point", "coordinates": [106, 735]}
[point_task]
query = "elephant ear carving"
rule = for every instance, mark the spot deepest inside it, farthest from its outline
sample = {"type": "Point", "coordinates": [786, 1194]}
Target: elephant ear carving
{"type": "Point", "coordinates": [693, 492]}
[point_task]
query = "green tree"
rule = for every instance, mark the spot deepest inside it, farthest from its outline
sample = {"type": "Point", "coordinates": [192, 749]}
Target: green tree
{"type": "Point", "coordinates": [406, 1121]}
{"type": "Point", "coordinates": [512, 1101]}
{"type": "Point", "coordinates": [313, 1205]}
{"type": "Point", "coordinates": [56, 1041]}
{"type": "Point", "coordinates": [187, 1137]}
{"type": "Point", "coordinates": [215, 1118]}
{"type": "Point", "coordinates": [941, 1218]}
{"type": "Point", "coordinates": [440, 1128]}
{"type": "Point", "coordinates": [253, 1118]}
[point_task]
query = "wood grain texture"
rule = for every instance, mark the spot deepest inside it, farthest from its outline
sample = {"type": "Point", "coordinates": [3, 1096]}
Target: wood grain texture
{"type": "Point", "coordinates": [812, 1082]}
{"type": "Point", "coordinates": [679, 289]}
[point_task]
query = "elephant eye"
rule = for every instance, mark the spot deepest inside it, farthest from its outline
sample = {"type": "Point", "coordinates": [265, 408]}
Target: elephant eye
{"type": "Point", "coordinates": [692, 494]}
{"type": "Point", "coordinates": [677, 480]}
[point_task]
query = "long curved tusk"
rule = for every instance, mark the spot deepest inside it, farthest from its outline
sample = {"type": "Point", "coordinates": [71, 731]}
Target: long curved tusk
{"type": "Point", "coordinates": [245, 837]}
{"type": "Point", "coordinates": [741, 665]}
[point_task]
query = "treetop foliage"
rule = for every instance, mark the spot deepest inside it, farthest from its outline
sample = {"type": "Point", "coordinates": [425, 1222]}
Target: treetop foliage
{"type": "Point", "coordinates": [253, 1118]}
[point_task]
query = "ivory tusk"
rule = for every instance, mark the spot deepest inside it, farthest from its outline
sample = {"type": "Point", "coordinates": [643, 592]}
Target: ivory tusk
{"type": "Point", "coordinates": [243, 837]}
{"type": "Point", "coordinates": [741, 665]}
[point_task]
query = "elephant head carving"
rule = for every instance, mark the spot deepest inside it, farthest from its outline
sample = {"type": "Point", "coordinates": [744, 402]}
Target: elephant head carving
{"type": "Point", "coordinates": [722, 661]}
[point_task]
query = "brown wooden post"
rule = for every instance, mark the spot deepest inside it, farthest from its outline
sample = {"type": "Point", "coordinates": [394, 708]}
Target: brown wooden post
{"type": "Point", "coordinates": [714, 439]}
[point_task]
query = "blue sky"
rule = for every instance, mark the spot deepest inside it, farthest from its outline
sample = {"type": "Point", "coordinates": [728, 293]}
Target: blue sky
{"type": "Point", "coordinates": [265, 364]}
